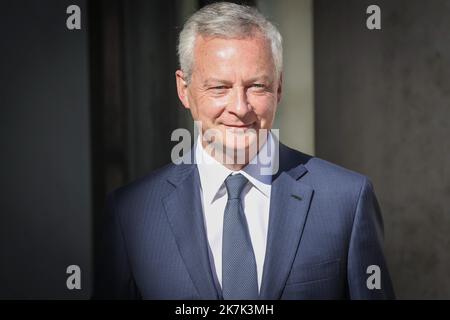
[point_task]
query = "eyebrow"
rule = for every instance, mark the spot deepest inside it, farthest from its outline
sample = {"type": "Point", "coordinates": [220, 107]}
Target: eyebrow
{"type": "Point", "coordinates": [262, 78]}
{"type": "Point", "coordinates": [213, 81]}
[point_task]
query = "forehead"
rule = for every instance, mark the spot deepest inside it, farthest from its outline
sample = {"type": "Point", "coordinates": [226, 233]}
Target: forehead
{"type": "Point", "coordinates": [230, 54]}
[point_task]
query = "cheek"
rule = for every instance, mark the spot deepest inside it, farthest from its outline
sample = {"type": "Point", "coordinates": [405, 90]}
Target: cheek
{"type": "Point", "coordinates": [212, 107]}
{"type": "Point", "coordinates": [264, 108]}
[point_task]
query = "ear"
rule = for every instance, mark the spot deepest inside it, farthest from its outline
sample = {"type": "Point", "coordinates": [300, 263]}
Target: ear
{"type": "Point", "coordinates": [182, 88]}
{"type": "Point", "coordinates": [279, 89]}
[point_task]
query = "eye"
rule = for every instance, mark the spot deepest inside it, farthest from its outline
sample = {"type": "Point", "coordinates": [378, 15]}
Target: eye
{"type": "Point", "coordinates": [219, 90]}
{"type": "Point", "coordinates": [258, 87]}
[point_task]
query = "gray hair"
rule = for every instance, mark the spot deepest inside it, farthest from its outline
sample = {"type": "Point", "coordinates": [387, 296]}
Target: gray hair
{"type": "Point", "coordinates": [230, 21]}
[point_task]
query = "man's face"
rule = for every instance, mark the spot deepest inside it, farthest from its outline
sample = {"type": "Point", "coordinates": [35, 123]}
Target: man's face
{"type": "Point", "coordinates": [234, 87]}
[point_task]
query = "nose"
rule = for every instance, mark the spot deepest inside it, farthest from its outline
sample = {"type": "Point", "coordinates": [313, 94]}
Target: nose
{"type": "Point", "coordinates": [239, 103]}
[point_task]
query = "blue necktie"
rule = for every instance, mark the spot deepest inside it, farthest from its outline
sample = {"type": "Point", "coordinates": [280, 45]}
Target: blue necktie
{"type": "Point", "coordinates": [239, 277]}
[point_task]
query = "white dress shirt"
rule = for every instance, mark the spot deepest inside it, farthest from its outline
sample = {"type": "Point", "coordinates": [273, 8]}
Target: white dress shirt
{"type": "Point", "coordinates": [255, 198]}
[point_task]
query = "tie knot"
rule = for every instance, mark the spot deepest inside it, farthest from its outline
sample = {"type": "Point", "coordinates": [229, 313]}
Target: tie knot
{"type": "Point", "coordinates": [235, 184]}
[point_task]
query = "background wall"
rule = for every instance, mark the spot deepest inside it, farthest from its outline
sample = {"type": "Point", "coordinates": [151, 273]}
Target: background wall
{"type": "Point", "coordinates": [383, 109]}
{"type": "Point", "coordinates": [83, 111]}
{"type": "Point", "coordinates": [45, 177]}
{"type": "Point", "coordinates": [295, 114]}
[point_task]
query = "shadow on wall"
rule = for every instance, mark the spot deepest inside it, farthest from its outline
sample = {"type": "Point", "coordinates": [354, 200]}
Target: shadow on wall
{"type": "Point", "coordinates": [382, 108]}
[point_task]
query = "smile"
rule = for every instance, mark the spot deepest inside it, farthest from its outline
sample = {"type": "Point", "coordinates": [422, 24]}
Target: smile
{"type": "Point", "coordinates": [240, 126]}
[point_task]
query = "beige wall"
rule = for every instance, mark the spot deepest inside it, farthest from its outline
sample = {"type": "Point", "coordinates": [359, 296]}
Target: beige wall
{"type": "Point", "coordinates": [295, 117]}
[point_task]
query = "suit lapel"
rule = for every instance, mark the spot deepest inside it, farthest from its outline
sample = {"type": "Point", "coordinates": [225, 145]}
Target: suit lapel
{"type": "Point", "coordinates": [289, 205]}
{"type": "Point", "coordinates": [184, 212]}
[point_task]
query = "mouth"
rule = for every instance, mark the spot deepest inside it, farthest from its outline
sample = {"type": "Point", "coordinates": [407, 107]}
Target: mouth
{"type": "Point", "coordinates": [240, 126]}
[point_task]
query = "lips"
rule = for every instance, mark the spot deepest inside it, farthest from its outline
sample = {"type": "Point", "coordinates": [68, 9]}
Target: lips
{"type": "Point", "coordinates": [243, 126]}
{"type": "Point", "coordinates": [239, 129]}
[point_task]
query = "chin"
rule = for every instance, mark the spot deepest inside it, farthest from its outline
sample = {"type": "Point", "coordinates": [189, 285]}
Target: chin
{"type": "Point", "coordinates": [236, 146]}
{"type": "Point", "coordinates": [240, 144]}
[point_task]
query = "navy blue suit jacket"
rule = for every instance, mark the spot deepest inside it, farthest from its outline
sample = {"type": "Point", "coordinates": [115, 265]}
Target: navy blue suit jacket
{"type": "Point", "coordinates": [325, 230]}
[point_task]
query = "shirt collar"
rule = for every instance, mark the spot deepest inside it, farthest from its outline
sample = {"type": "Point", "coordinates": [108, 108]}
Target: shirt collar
{"type": "Point", "coordinates": [213, 173]}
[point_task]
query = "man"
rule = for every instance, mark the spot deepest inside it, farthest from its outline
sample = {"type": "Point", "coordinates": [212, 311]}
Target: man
{"type": "Point", "coordinates": [222, 227]}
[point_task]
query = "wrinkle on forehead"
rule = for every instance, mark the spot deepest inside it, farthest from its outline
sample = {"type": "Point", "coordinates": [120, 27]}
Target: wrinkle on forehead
{"type": "Point", "coordinates": [219, 60]}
